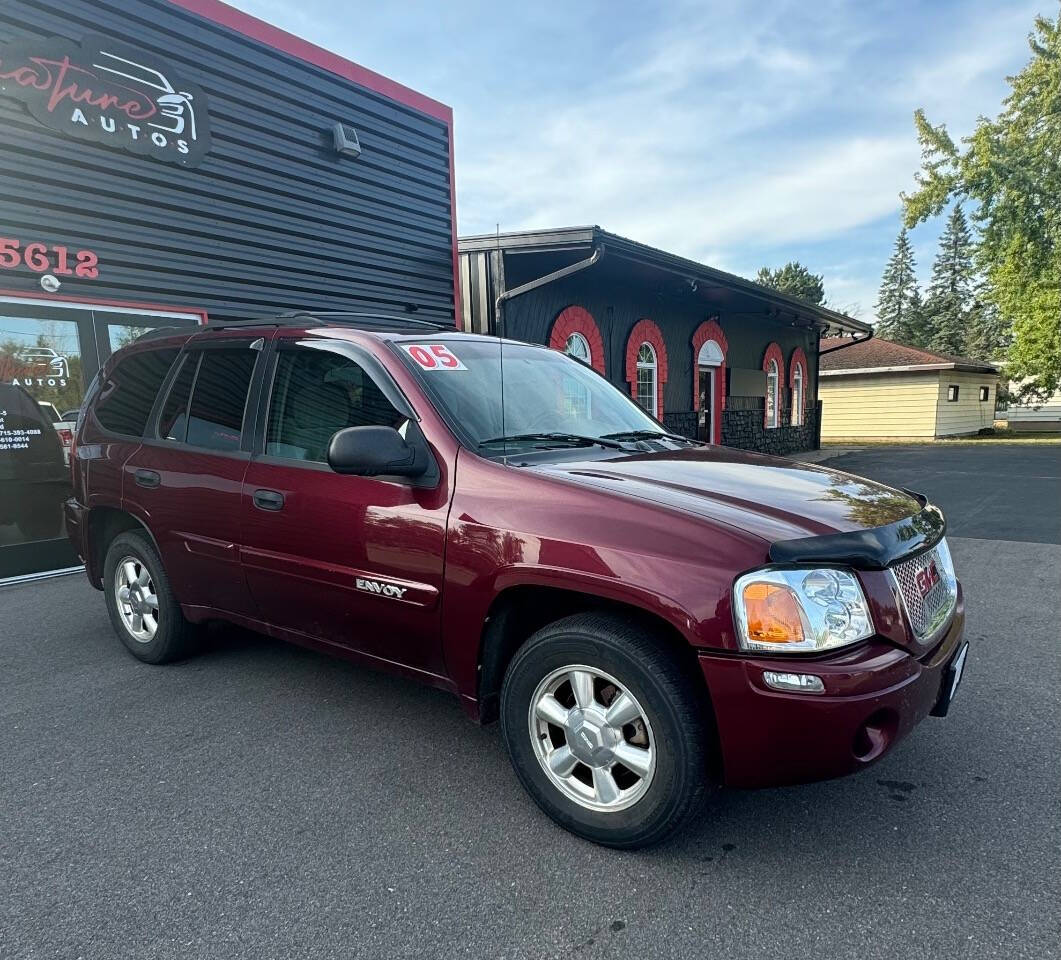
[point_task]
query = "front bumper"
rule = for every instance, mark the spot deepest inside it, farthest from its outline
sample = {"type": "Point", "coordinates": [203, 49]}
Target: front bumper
{"type": "Point", "coordinates": [874, 695]}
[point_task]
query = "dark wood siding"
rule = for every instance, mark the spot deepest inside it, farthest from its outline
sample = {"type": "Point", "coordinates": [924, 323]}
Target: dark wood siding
{"type": "Point", "coordinates": [272, 219]}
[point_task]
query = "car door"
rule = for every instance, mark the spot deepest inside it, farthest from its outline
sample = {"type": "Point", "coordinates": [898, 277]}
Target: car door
{"type": "Point", "coordinates": [352, 561]}
{"type": "Point", "coordinates": [186, 478]}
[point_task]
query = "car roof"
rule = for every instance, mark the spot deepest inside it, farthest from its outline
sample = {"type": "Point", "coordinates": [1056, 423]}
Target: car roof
{"type": "Point", "coordinates": [334, 324]}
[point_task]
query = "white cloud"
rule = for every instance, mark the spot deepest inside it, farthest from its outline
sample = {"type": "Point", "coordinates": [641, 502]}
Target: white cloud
{"type": "Point", "coordinates": [721, 131]}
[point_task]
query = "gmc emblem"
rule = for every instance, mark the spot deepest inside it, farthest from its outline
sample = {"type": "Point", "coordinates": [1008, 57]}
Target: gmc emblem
{"type": "Point", "coordinates": [927, 578]}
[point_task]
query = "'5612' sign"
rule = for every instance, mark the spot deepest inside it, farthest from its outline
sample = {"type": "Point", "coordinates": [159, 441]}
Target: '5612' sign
{"type": "Point", "coordinates": [42, 258]}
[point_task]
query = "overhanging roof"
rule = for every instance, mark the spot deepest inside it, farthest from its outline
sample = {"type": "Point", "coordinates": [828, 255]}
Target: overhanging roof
{"type": "Point", "coordinates": [582, 240]}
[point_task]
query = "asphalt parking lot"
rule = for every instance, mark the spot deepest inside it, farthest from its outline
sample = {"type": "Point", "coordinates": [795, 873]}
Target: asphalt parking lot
{"type": "Point", "coordinates": [264, 801]}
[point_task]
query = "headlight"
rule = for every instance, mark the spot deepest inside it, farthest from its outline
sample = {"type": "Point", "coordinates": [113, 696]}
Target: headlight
{"type": "Point", "coordinates": [800, 610]}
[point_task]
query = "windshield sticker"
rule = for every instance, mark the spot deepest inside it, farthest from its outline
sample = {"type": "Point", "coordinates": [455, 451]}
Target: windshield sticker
{"type": "Point", "coordinates": [433, 356]}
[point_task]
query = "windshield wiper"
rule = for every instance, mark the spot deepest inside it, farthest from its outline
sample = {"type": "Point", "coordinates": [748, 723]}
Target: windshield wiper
{"type": "Point", "coordinates": [573, 438]}
{"type": "Point", "coordinates": [649, 435]}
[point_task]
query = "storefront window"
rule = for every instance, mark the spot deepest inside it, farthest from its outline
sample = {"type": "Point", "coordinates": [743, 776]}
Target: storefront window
{"type": "Point", "coordinates": [121, 334]}
{"type": "Point", "coordinates": [44, 357]}
{"type": "Point", "coordinates": [48, 355]}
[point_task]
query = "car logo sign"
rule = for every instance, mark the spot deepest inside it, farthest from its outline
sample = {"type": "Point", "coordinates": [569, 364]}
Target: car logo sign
{"type": "Point", "coordinates": [927, 578]}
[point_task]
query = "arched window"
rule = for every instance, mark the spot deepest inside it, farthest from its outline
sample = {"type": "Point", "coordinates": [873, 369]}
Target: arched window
{"type": "Point", "coordinates": [647, 378]}
{"type": "Point", "coordinates": [773, 375]}
{"type": "Point", "coordinates": [577, 346]}
{"type": "Point", "coordinates": [797, 395]}
{"type": "Point", "coordinates": [575, 332]}
{"type": "Point", "coordinates": [797, 382]}
{"type": "Point", "coordinates": [773, 360]}
{"type": "Point", "coordinates": [646, 366]}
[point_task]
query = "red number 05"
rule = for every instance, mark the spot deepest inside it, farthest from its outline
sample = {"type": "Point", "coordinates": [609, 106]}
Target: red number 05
{"type": "Point", "coordinates": [434, 356]}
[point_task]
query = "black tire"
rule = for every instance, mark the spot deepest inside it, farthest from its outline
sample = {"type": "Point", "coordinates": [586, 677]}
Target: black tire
{"type": "Point", "coordinates": [672, 704]}
{"type": "Point", "coordinates": [174, 638]}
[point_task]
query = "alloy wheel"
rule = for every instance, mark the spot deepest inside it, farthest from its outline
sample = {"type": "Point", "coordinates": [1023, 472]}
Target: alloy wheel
{"type": "Point", "coordinates": [592, 738]}
{"type": "Point", "coordinates": [134, 592]}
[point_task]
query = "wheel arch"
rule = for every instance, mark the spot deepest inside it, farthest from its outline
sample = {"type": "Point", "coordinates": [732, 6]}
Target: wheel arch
{"type": "Point", "coordinates": [519, 611]}
{"type": "Point", "coordinates": [104, 524]}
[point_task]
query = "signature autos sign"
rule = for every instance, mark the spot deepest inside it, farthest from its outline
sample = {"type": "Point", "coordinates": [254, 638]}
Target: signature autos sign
{"type": "Point", "coordinates": [108, 93]}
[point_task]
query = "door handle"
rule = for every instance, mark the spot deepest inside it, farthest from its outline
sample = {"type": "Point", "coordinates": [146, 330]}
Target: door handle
{"type": "Point", "coordinates": [147, 478]}
{"type": "Point", "coordinates": [268, 500]}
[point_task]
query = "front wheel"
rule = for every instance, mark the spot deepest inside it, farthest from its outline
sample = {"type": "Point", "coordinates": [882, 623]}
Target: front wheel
{"type": "Point", "coordinates": [605, 730]}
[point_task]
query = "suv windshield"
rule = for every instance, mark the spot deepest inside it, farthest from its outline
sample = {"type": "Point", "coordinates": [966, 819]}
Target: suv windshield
{"type": "Point", "coordinates": [549, 398]}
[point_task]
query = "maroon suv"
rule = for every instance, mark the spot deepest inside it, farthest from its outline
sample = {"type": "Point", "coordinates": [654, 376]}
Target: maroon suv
{"type": "Point", "coordinates": [645, 613]}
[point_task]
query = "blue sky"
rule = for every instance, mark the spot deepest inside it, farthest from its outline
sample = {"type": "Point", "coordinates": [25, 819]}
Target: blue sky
{"type": "Point", "coordinates": [738, 134]}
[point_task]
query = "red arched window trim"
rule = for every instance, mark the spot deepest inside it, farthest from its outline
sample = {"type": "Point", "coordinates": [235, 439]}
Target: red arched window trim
{"type": "Point", "coordinates": [710, 330]}
{"type": "Point", "coordinates": [798, 359]}
{"type": "Point", "coordinates": [645, 331]}
{"type": "Point", "coordinates": [773, 352]}
{"type": "Point", "coordinates": [575, 319]}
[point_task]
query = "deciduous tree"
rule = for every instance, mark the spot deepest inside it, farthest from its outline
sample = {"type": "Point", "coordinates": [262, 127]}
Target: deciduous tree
{"type": "Point", "coordinates": [1010, 171]}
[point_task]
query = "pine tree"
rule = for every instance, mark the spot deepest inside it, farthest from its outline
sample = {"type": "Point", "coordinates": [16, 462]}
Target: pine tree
{"type": "Point", "coordinates": [918, 324]}
{"type": "Point", "coordinates": [987, 335]}
{"type": "Point", "coordinates": [950, 294]}
{"type": "Point", "coordinates": [897, 286]}
{"type": "Point", "coordinates": [794, 278]}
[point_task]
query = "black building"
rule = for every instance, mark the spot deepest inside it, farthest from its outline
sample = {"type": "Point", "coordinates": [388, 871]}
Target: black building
{"type": "Point", "coordinates": [710, 354]}
{"type": "Point", "coordinates": [167, 161]}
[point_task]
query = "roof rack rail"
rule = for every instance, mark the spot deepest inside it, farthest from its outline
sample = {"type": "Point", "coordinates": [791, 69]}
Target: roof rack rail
{"type": "Point", "coordinates": [355, 316]}
{"type": "Point", "coordinates": [295, 318]}
{"type": "Point", "coordinates": [304, 318]}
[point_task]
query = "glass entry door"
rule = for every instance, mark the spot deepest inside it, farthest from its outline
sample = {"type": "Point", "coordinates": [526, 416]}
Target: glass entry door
{"type": "Point", "coordinates": [49, 353]}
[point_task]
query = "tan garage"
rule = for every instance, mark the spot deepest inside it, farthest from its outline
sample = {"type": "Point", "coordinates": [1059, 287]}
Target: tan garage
{"type": "Point", "coordinates": [878, 389]}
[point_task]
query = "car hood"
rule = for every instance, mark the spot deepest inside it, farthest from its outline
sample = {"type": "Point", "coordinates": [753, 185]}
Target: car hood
{"type": "Point", "coordinates": [772, 498]}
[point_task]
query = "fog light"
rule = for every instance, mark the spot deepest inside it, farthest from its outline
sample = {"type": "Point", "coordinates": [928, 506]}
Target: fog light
{"type": "Point", "coordinates": [799, 682]}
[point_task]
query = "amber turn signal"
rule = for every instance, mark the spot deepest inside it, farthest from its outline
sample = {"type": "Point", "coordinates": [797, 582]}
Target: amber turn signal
{"type": "Point", "coordinates": [773, 614]}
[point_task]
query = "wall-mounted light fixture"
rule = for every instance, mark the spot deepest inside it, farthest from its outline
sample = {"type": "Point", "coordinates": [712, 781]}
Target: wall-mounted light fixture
{"type": "Point", "coordinates": [345, 139]}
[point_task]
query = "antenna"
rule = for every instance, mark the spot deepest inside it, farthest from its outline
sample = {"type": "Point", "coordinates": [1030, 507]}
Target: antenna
{"type": "Point", "coordinates": [499, 274]}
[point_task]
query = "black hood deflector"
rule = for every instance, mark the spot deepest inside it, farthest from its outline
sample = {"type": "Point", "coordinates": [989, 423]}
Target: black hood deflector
{"type": "Point", "coordinates": [874, 548]}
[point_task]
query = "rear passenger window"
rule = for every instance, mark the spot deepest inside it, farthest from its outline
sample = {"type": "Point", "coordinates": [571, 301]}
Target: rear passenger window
{"type": "Point", "coordinates": [215, 415]}
{"type": "Point", "coordinates": [173, 421]}
{"type": "Point", "coordinates": [128, 394]}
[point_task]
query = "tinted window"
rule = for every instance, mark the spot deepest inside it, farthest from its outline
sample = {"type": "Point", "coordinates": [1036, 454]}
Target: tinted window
{"type": "Point", "coordinates": [316, 394]}
{"type": "Point", "coordinates": [128, 394]}
{"type": "Point", "coordinates": [173, 421]}
{"type": "Point", "coordinates": [215, 418]}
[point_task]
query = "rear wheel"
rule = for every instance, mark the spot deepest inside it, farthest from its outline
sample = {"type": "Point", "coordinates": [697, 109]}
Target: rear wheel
{"type": "Point", "coordinates": [142, 608]}
{"type": "Point", "coordinates": [605, 730]}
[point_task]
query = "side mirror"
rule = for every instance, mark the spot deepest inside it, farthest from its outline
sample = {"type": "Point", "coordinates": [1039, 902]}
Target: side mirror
{"type": "Point", "coordinates": [375, 452]}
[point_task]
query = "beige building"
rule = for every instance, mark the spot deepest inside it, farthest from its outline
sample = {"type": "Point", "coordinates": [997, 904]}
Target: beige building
{"type": "Point", "coordinates": [878, 389]}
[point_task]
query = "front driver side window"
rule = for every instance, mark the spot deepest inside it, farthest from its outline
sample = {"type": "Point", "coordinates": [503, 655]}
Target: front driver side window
{"type": "Point", "coordinates": [316, 394]}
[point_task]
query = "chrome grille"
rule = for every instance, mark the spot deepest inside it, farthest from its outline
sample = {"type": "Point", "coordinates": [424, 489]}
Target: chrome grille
{"type": "Point", "coordinates": [928, 613]}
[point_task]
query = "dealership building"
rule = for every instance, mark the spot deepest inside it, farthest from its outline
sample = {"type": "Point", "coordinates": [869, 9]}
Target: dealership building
{"type": "Point", "coordinates": [711, 355]}
{"type": "Point", "coordinates": [164, 162]}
